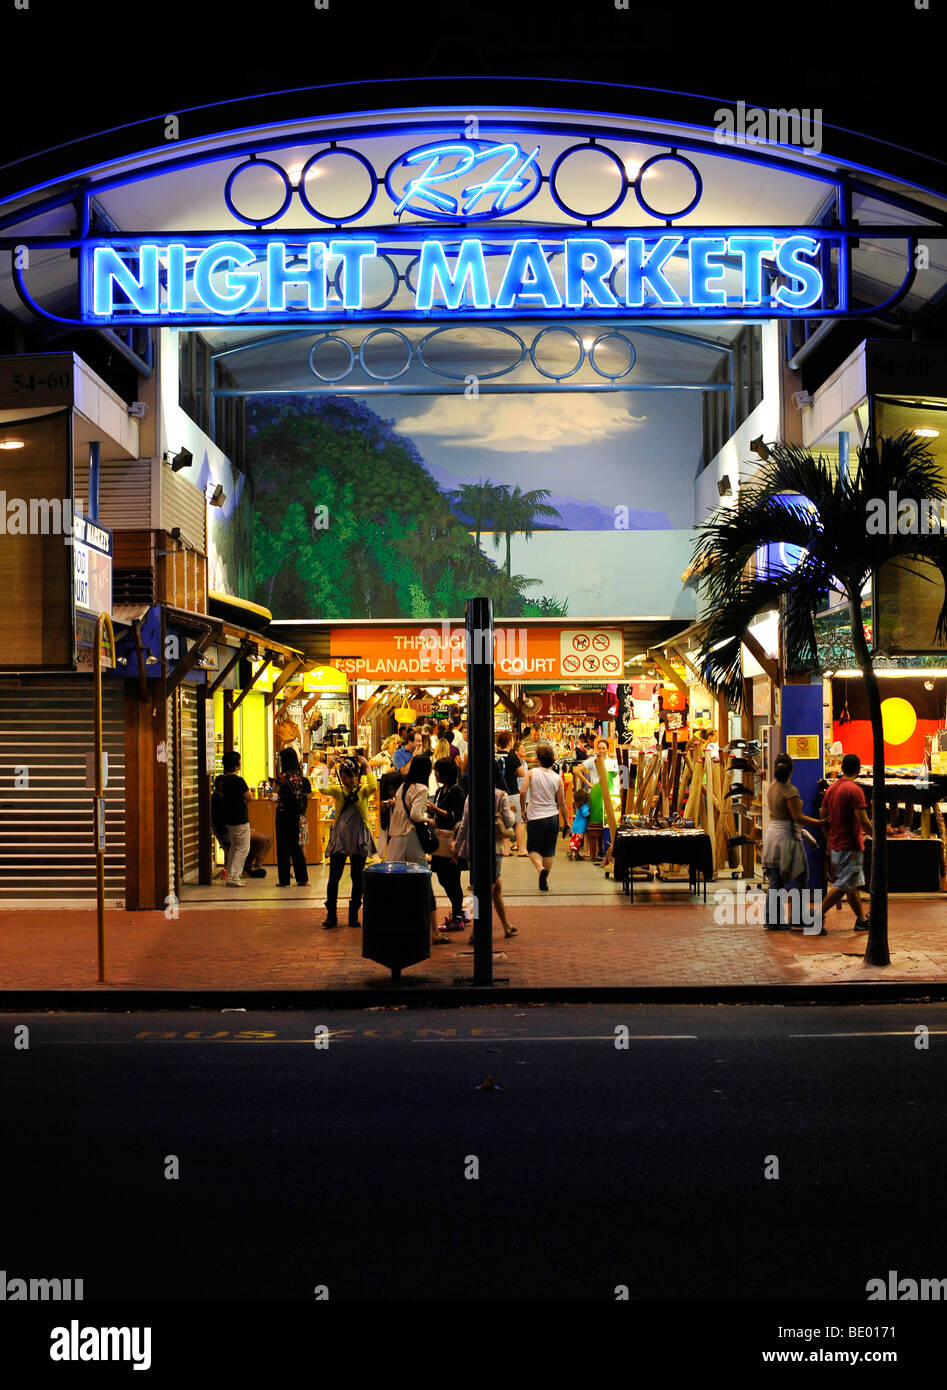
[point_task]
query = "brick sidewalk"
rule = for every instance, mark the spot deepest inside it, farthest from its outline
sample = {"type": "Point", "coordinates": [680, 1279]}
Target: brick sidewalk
{"type": "Point", "coordinates": [615, 944]}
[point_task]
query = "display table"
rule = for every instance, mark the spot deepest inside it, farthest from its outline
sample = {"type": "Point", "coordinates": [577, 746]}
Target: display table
{"type": "Point", "coordinates": [633, 848]}
{"type": "Point", "coordinates": [263, 819]}
{"type": "Point", "coordinates": [913, 864]}
{"type": "Point", "coordinates": [901, 791]}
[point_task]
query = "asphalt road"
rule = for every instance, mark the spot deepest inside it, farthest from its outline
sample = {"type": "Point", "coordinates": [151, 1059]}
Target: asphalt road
{"type": "Point", "coordinates": [375, 1167]}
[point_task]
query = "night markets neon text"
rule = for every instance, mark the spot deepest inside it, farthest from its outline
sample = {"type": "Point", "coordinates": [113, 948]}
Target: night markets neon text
{"type": "Point", "coordinates": [727, 273]}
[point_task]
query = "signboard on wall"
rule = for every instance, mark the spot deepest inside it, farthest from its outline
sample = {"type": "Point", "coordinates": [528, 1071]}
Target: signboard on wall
{"type": "Point", "coordinates": [284, 277]}
{"type": "Point", "coordinates": [437, 654]}
{"type": "Point", "coordinates": [324, 678]}
{"type": "Point", "coordinates": [761, 696]}
{"type": "Point", "coordinates": [36, 381]}
{"type": "Point", "coordinates": [802, 746]}
{"type": "Point", "coordinates": [92, 567]}
{"type": "Point", "coordinates": [912, 369]}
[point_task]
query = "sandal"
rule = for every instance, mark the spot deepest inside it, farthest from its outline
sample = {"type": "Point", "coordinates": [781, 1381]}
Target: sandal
{"type": "Point", "coordinates": [511, 932]}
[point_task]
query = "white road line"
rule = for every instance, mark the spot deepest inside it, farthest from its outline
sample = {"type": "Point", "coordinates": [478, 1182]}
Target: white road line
{"type": "Point", "coordinates": [568, 1037]}
{"type": "Point", "coordinates": [877, 1033]}
{"type": "Point", "coordinates": [355, 1037]}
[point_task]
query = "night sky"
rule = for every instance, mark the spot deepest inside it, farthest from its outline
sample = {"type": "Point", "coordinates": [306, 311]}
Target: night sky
{"type": "Point", "coordinates": [94, 68]}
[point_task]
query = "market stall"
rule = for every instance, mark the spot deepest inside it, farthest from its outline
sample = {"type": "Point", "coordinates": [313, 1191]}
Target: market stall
{"type": "Point", "coordinates": [914, 711]}
{"type": "Point", "coordinates": [263, 819]}
{"type": "Point", "coordinates": [636, 848]}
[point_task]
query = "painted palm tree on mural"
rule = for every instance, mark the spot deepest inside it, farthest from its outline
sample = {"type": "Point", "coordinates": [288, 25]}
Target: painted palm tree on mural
{"type": "Point", "coordinates": [796, 500]}
{"type": "Point", "coordinates": [515, 510]}
{"type": "Point", "coordinates": [478, 502]}
{"type": "Point", "coordinates": [505, 591]}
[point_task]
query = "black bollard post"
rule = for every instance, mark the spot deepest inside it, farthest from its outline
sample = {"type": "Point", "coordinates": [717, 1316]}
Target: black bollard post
{"type": "Point", "coordinates": [479, 651]}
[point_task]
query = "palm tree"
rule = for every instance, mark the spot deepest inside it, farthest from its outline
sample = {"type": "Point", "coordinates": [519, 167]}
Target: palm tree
{"type": "Point", "coordinates": [478, 502]}
{"type": "Point", "coordinates": [517, 511]}
{"type": "Point", "coordinates": [506, 591]}
{"type": "Point", "coordinates": [415, 548]}
{"type": "Point", "coordinates": [796, 500]}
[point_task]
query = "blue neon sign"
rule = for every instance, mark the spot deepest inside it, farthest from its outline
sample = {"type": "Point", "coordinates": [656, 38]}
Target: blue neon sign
{"type": "Point", "coordinates": [442, 187]}
{"type": "Point", "coordinates": [288, 278]}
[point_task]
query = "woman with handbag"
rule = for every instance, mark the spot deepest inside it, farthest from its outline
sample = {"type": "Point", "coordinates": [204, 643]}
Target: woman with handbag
{"type": "Point", "coordinates": [447, 806]}
{"type": "Point", "coordinates": [351, 836]}
{"type": "Point", "coordinates": [504, 819]}
{"type": "Point", "coordinates": [408, 812]}
{"type": "Point", "coordinates": [783, 852]}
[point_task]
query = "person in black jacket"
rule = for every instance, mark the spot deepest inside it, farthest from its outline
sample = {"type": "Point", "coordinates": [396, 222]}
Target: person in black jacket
{"type": "Point", "coordinates": [293, 792]}
{"type": "Point", "coordinates": [233, 794]}
{"type": "Point", "coordinates": [447, 807]}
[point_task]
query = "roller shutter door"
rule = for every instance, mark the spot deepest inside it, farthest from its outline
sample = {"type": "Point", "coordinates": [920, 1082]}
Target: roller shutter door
{"type": "Point", "coordinates": [46, 811]}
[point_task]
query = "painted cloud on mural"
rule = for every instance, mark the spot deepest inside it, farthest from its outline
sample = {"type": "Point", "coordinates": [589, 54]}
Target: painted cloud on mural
{"type": "Point", "coordinates": [526, 423]}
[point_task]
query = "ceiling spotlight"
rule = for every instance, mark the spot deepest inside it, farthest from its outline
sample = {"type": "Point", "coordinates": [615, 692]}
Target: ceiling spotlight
{"type": "Point", "coordinates": [217, 497]}
{"type": "Point", "coordinates": [759, 448]}
{"type": "Point", "coordinates": [724, 487]}
{"type": "Point", "coordinates": [925, 432]}
{"type": "Point", "coordinates": [184, 459]}
{"type": "Point", "coordinates": [11, 443]}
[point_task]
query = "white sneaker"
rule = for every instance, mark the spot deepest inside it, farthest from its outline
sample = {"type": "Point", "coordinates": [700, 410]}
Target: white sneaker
{"type": "Point", "coordinates": [235, 883]}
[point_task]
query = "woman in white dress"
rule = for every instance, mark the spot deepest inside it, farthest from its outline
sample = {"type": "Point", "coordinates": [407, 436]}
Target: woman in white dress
{"type": "Point", "coordinates": [545, 805]}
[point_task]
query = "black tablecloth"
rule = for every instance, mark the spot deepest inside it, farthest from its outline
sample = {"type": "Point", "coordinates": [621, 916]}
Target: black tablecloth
{"type": "Point", "coordinates": [913, 864]}
{"type": "Point", "coordinates": [636, 847]}
{"type": "Point", "coordinates": [902, 791]}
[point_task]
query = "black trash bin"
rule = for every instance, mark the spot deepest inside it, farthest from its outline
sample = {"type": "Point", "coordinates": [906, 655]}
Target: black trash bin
{"type": "Point", "coordinates": [396, 914]}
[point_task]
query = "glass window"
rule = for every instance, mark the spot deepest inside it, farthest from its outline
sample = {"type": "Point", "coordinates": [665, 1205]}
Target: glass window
{"type": "Point", "coordinates": [185, 387]}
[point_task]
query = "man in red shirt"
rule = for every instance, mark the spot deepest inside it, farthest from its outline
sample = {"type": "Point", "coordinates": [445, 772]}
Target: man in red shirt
{"type": "Point", "coordinates": [845, 816]}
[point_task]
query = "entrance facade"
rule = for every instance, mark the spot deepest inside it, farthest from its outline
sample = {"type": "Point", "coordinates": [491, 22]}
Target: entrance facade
{"type": "Point", "coordinates": [395, 359]}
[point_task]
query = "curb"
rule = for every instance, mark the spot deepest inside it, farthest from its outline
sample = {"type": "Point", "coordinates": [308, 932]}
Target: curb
{"type": "Point", "coordinates": [464, 995]}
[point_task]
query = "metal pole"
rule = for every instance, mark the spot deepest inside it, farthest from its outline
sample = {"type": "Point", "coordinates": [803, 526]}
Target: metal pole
{"type": "Point", "coordinates": [479, 634]}
{"type": "Point", "coordinates": [95, 449]}
{"type": "Point", "coordinates": [102, 622]}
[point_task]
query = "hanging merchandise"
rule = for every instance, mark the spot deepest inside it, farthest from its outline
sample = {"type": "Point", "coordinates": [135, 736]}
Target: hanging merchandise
{"type": "Point", "coordinates": [844, 716]}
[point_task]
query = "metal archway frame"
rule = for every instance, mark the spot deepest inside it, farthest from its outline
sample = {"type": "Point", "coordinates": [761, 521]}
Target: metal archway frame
{"type": "Point", "coordinates": [837, 227]}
